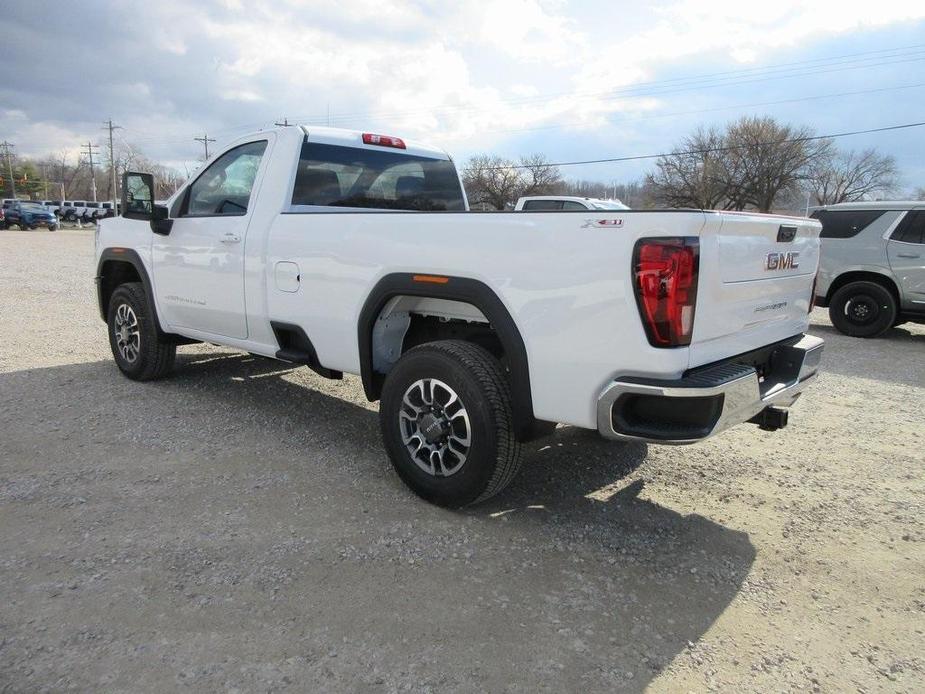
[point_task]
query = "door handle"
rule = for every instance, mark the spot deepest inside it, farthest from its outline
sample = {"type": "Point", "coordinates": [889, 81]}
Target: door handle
{"type": "Point", "coordinates": [907, 255]}
{"type": "Point", "coordinates": [230, 238]}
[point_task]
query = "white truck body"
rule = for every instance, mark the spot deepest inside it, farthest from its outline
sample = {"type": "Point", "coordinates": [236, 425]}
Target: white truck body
{"type": "Point", "coordinates": [565, 280]}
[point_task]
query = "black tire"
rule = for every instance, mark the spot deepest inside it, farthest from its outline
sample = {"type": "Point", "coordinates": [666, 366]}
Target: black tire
{"type": "Point", "coordinates": [149, 358]}
{"type": "Point", "coordinates": [863, 309]}
{"type": "Point", "coordinates": [493, 456]}
{"type": "Point", "coordinates": [52, 227]}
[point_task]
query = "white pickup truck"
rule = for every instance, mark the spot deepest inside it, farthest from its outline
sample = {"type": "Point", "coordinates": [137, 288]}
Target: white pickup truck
{"type": "Point", "coordinates": [355, 252]}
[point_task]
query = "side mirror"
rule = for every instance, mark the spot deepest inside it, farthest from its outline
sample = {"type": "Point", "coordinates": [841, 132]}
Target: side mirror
{"type": "Point", "coordinates": [161, 223]}
{"type": "Point", "coordinates": [138, 196]}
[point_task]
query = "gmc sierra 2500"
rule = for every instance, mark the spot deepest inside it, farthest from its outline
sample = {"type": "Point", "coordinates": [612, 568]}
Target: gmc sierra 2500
{"type": "Point", "coordinates": [354, 252]}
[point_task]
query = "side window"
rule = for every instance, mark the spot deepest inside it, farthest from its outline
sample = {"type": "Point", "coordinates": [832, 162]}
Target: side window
{"type": "Point", "coordinates": [572, 205]}
{"type": "Point", "coordinates": [845, 224]}
{"type": "Point", "coordinates": [542, 205]}
{"type": "Point", "coordinates": [224, 189]}
{"type": "Point", "coordinates": [911, 229]}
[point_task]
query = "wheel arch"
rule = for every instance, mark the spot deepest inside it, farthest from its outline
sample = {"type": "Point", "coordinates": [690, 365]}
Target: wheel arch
{"type": "Point", "coordinates": [863, 276]}
{"type": "Point", "coordinates": [117, 266]}
{"type": "Point", "coordinates": [457, 289]}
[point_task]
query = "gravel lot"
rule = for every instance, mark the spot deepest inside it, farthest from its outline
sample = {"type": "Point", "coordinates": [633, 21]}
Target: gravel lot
{"type": "Point", "coordinates": [238, 527]}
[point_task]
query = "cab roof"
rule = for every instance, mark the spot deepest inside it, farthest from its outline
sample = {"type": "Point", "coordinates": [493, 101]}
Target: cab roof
{"type": "Point", "coordinates": [354, 138]}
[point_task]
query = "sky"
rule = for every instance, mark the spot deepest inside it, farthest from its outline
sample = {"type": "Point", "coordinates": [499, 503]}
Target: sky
{"type": "Point", "coordinates": [588, 79]}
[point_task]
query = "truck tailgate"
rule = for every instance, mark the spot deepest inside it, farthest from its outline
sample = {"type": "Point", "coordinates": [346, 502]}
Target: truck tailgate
{"type": "Point", "coordinates": [755, 281]}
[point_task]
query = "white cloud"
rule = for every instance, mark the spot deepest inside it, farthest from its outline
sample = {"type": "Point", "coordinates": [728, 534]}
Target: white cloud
{"type": "Point", "coordinates": [458, 73]}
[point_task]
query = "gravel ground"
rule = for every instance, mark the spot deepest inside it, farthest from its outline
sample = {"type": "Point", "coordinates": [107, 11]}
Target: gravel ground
{"type": "Point", "coordinates": [237, 527]}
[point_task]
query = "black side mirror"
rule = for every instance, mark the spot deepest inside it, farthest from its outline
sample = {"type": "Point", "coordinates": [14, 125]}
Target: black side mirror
{"type": "Point", "coordinates": [138, 196]}
{"type": "Point", "coordinates": [161, 223]}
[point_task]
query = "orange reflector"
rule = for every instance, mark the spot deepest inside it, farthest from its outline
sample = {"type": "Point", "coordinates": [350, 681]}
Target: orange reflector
{"type": "Point", "coordinates": [117, 250]}
{"type": "Point", "coordinates": [432, 279]}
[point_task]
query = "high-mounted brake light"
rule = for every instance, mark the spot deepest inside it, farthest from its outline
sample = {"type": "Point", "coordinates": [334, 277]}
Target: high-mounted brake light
{"type": "Point", "coordinates": [383, 141]}
{"type": "Point", "coordinates": [665, 277]}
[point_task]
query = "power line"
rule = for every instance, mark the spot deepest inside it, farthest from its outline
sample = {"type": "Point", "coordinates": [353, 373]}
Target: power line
{"type": "Point", "coordinates": [675, 85]}
{"type": "Point", "coordinates": [112, 160]}
{"type": "Point", "coordinates": [647, 115]}
{"type": "Point", "coordinates": [655, 88]}
{"type": "Point", "coordinates": [7, 146]}
{"type": "Point", "coordinates": [90, 147]}
{"type": "Point", "coordinates": [728, 148]}
{"type": "Point", "coordinates": [205, 140]}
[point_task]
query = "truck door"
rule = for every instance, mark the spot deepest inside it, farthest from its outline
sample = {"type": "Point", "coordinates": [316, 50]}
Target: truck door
{"type": "Point", "coordinates": [199, 266]}
{"type": "Point", "coordinates": [906, 250]}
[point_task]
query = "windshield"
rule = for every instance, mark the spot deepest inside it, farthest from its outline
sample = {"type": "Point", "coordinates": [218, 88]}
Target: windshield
{"type": "Point", "coordinates": [337, 176]}
{"type": "Point", "coordinates": [32, 207]}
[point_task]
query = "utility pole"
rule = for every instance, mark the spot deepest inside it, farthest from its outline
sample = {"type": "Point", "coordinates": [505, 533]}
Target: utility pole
{"type": "Point", "coordinates": [284, 123]}
{"type": "Point", "coordinates": [45, 178]}
{"type": "Point", "coordinates": [205, 140]}
{"type": "Point", "coordinates": [112, 162]}
{"type": "Point", "coordinates": [7, 146]}
{"type": "Point", "coordinates": [90, 147]}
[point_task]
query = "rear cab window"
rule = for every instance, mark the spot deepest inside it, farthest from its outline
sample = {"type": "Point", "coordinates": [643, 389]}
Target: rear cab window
{"type": "Point", "coordinates": [353, 177]}
{"type": "Point", "coordinates": [845, 224]}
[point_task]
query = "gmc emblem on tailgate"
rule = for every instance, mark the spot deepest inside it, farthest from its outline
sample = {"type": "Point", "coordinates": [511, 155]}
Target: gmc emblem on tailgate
{"type": "Point", "coordinates": [782, 261]}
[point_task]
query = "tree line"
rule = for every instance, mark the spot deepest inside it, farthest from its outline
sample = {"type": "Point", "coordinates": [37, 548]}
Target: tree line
{"type": "Point", "coordinates": [64, 176]}
{"type": "Point", "coordinates": [754, 163]}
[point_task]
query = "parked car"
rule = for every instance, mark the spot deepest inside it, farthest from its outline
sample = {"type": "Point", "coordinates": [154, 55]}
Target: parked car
{"type": "Point", "coordinates": [29, 215]}
{"type": "Point", "coordinates": [72, 210]}
{"type": "Point", "coordinates": [872, 267]}
{"type": "Point", "coordinates": [355, 252]}
{"type": "Point", "coordinates": [565, 203]}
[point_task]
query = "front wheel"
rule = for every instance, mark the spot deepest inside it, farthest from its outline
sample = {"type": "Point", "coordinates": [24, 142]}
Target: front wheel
{"type": "Point", "coordinates": [863, 309]}
{"type": "Point", "coordinates": [447, 424]}
{"type": "Point", "coordinates": [52, 227]}
{"type": "Point", "coordinates": [133, 335]}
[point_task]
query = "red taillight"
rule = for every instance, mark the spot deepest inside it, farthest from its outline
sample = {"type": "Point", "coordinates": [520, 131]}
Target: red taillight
{"type": "Point", "coordinates": [383, 141]}
{"type": "Point", "coordinates": [665, 275]}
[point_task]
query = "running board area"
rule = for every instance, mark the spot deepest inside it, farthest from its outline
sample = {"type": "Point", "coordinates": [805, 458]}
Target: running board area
{"type": "Point", "coordinates": [296, 348]}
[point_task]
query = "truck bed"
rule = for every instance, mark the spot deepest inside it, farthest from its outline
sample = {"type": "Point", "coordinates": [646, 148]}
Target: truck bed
{"type": "Point", "coordinates": [566, 277]}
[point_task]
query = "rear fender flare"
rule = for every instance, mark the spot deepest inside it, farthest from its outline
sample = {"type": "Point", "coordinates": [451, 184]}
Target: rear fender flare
{"type": "Point", "coordinates": [462, 289]}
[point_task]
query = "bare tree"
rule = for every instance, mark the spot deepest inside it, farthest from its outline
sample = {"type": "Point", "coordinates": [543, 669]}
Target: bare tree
{"type": "Point", "coordinates": [766, 158]}
{"type": "Point", "coordinates": [694, 175]}
{"type": "Point", "coordinates": [750, 165]}
{"type": "Point", "coordinates": [495, 183]}
{"type": "Point", "coordinates": [849, 176]}
{"type": "Point", "coordinates": [539, 177]}
{"type": "Point", "coordinates": [919, 194]}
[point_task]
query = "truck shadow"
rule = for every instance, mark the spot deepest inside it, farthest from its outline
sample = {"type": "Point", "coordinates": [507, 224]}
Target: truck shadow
{"type": "Point", "coordinates": [570, 579]}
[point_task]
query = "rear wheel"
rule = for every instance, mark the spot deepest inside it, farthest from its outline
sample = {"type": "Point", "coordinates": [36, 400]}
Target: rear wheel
{"type": "Point", "coordinates": [447, 424]}
{"type": "Point", "coordinates": [863, 309]}
{"type": "Point", "coordinates": [133, 335]}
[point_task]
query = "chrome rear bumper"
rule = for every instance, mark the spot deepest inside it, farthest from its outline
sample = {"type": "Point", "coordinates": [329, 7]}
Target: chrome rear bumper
{"type": "Point", "coordinates": [708, 400]}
